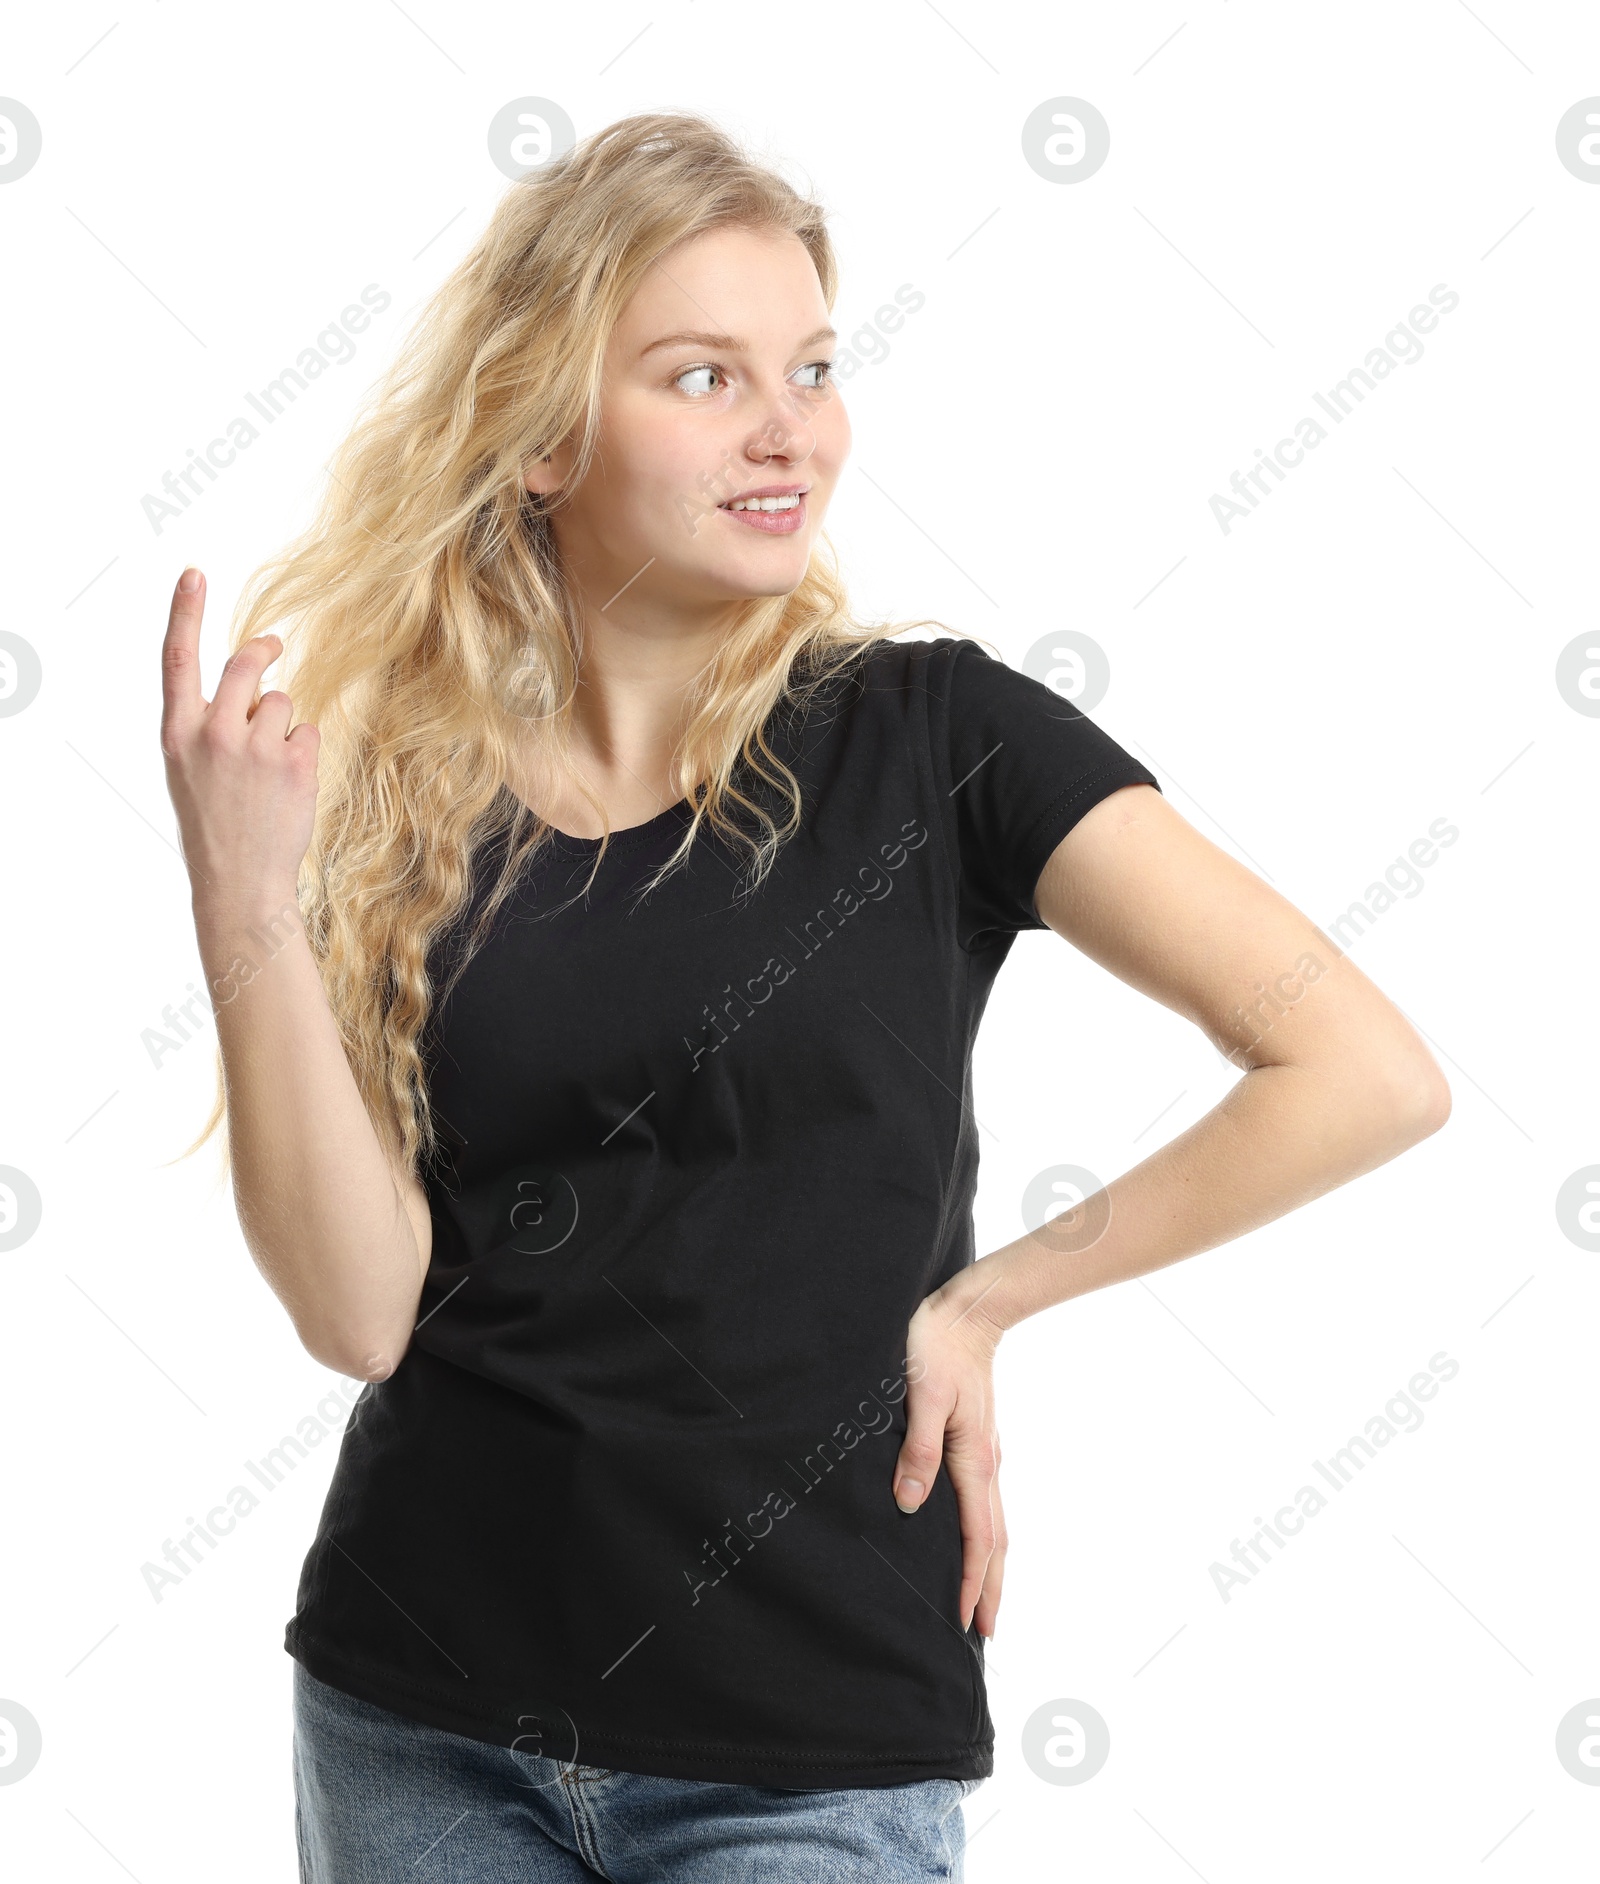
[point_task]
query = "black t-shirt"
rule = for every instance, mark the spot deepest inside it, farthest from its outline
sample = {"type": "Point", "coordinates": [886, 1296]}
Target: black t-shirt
{"type": "Point", "coordinates": [627, 1497]}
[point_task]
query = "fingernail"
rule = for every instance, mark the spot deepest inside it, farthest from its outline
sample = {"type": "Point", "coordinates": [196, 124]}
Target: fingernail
{"type": "Point", "coordinates": [908, 1494]}
{"type": "Point", "coordinates": [189, 581]}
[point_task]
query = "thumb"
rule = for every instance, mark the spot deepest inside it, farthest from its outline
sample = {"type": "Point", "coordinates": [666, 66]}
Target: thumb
{"type": "Point", "coordinates": [920, 1454]}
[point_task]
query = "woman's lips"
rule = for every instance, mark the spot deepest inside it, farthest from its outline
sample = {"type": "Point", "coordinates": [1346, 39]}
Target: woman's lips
{"type": "Point", "coordinates": [773, 522]}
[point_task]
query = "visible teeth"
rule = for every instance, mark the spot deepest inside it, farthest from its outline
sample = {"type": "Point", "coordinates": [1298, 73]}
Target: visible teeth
{"type": "Point", "coordinates": [765, 503]}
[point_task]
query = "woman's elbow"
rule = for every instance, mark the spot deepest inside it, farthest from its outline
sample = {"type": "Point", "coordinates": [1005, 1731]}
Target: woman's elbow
{"type": "Point", "coordinates": [1415, 1097]}
{"type": "Point", "coordinates": [370, 1358]}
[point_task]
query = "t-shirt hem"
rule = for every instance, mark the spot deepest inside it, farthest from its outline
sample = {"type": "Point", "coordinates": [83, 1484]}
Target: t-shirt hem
{"type": "Point", "coordinates": [738, 1764]}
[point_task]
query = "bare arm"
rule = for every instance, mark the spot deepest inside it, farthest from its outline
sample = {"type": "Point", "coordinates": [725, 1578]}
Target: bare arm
{"type": "Point", "coordinates": [1336, 1080]}
{"type": "Point", "coordinates": [341, 1234]}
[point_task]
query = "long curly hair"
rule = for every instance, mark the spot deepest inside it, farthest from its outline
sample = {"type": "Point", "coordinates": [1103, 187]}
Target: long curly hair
{"type": "Point", "coordinates": [429, 631]}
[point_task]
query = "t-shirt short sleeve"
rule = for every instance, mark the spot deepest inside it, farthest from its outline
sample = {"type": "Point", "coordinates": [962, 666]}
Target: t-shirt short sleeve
{"type": "Point", "coordinates": [1024, 765]}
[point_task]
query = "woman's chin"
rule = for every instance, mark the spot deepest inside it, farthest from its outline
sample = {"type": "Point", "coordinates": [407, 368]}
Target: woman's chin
{"type": "Point", "coordinates": [777, 572]}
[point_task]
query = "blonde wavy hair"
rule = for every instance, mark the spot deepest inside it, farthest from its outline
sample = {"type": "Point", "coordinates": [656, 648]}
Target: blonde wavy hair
{"type": "Point", "coordinates": [429, 631]}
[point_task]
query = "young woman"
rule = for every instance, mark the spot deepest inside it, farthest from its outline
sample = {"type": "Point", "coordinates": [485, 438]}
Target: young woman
{"type": "Point", "coordinates": [597, 960]}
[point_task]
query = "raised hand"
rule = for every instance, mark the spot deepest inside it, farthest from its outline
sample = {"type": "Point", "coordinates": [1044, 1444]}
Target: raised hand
{"type": "Point", "coordinates": [244, 786]}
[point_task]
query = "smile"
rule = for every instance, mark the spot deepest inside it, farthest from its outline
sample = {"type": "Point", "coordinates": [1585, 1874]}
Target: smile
{"type": "Point", "coordinates": [777, 512]}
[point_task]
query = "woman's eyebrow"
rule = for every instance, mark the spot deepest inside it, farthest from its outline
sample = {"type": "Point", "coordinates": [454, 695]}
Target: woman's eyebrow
{"type": "Point", "coordinates": [727, 343]}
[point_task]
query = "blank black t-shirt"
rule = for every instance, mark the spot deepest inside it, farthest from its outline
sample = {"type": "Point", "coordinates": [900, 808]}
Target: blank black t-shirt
{"type": "Point", "coordinates": [627, 1497]}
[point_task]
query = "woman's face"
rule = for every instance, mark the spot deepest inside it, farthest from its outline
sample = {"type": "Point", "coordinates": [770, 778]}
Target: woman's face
{"type": "Point", "coordinates": [716, 388]}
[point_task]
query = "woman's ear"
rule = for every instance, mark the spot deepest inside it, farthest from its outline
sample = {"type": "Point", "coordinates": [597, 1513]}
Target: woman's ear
{"type": "Point", "coordinates": [538, 475]}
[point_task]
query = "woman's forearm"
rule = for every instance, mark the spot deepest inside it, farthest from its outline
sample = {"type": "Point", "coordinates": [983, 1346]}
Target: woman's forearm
{"type": "Point", "coordinates": [317, 1198]}
{"type": "Point", "coordinates": [1286, 1133]}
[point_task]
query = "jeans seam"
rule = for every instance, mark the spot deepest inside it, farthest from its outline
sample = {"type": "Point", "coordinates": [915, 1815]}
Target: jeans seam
{"type": "Point", "coordinates": [583, 1825]}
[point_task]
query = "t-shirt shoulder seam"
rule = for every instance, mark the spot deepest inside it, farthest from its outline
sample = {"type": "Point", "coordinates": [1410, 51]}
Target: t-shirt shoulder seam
{"type": "Point", "coordinates": [909, 657]}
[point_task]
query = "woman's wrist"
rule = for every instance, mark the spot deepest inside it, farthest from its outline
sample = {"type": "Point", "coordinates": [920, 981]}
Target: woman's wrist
{"type": "Point", "coordinates": [1015, 1281]}
{"type": "Point", "coordinates": [984, 1296]}
{"type": "Point", "coordinates": [229, 907]}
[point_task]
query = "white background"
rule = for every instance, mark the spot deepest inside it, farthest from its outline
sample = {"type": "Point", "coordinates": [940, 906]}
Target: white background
{"type": "Point", "coordinates": [1374, 648]}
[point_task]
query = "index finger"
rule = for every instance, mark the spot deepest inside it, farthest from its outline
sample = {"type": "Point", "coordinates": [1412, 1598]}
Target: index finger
{"type": "Point", "coordinates": [180, 654]}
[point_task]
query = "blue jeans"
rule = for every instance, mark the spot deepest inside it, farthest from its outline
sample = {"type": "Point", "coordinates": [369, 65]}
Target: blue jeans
{"type": "Point", "coordinates": [379, 1797]}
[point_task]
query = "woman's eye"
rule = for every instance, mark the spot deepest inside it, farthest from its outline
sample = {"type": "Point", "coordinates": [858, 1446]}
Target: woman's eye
{"type": "Point", "coordinates": [692, 374]}
{"type": "Point", "coordinates": [696, 389]}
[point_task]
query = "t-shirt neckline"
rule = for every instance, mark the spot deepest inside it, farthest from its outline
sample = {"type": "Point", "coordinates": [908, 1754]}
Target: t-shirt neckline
{"type": "Point", "coordinates": [625, 839]}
